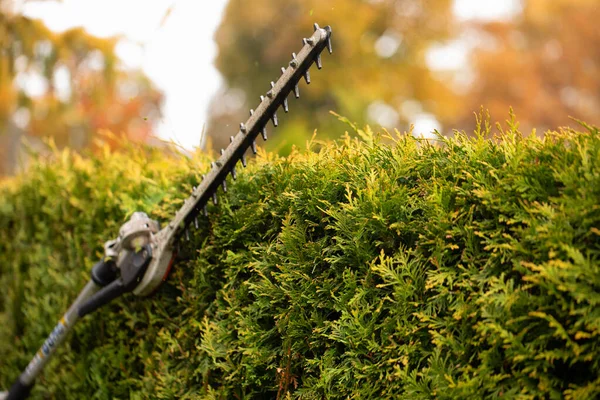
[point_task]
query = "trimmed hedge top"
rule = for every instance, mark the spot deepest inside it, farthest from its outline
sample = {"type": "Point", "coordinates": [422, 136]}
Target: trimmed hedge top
{"type": "Point", "coordinates": [380, 267]}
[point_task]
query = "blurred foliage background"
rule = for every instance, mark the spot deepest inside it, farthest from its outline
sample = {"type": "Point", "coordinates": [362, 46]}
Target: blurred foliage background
{"type": "Point", "coordinates": [544, 62]}
{"type": "Point", "coordinates": [378, 63]}
{"type": "Point", "coordinates": [66, 86]}
{"type": "Point", "coordinates": [395, 62]}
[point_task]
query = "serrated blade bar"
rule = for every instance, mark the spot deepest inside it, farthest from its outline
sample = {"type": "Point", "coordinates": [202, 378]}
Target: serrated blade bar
{"type": "Point", "coordinates": [203, 194]}
{"type": "Point", "coordinates": [254, 125]}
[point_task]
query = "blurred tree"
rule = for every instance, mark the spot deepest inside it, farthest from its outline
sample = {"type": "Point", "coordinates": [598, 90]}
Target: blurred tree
{"type": "Point", "coordinates": [545, 64]}
{"type": "Point", "coordinates": [378, 71]}
{"type": "Point", "coordinates": [67, 86]}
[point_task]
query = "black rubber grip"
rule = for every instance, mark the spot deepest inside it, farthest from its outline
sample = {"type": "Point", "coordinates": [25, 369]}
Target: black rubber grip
{"type": "Point", "coordinates": [101, 297]}
{"type": "Point", "coordinates": [104, 272]}
{"type": "Point", "coordinates": [19, 391]}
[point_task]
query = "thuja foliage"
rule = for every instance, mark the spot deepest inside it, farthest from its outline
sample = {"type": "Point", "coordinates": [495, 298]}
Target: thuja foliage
{"type": "Point", "coordinates": [374, 267]}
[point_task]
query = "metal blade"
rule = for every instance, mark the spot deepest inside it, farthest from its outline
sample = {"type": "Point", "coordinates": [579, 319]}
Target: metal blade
{"type": "Point", "coordinates": [256, 124]}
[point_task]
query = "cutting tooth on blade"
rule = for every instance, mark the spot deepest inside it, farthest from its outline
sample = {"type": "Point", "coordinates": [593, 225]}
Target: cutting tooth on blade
{"type": "Point", "coordinates": [243, 160]}
{"type": "Point", "coordinates": [196, 222]}
{"type": "Point", "coordinates": [205, 211]}
{"type": "Point", "coordinates": [230, 139]}
{"type": "Point", "coordinates": [264, 132]}
{"type": "Point", "coordinates": [319, 65]}
{"type": "Point", "coordinates": [222, 151]}
{"type": "Point", "coordinates": [282, 70]}
{"type": "Point", "coordinates": [307, 77]}
{"type": "Point", "coordinates": [296, 91]}
{"type": "Point", "coordinates": [328, 29]}
{"type": "Point", "coordinates": [274, 118]}
{"type": "Point", "coordinates": [251, 111]}
{"type": "Point", "coordinates": [270, 92]}
{"type": "Point", "coordinates": [285, 105]}
{"type": "Point", "coordinates": [254, 147]}
{"type": "Point", "coordinates": [243, 128]}
{"type": "Point", "coordinates": [233, 173]}
{"type": "Point", "coordinates": [214, 198]}
{"type": "Point", "coordinates": [294, 62]}
{"type": "Point", "coordinates": [224, 184]}
{"type": "Point", "coordinates": [315, 26]}
{"type": "Point", "coordinates": [194, 191]}
{"type": "Point", "coordinates": [187, 235]}
{"type": "Point", "coordinates": [262, 98]}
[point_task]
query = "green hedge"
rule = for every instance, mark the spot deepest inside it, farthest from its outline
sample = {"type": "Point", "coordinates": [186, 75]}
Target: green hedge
{"type": "Point", "coordinates": [379, 267]}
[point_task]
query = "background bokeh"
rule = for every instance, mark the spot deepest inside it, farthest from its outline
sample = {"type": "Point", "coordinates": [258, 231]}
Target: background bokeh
{"type": "Point", "coordinates": [188, 72]}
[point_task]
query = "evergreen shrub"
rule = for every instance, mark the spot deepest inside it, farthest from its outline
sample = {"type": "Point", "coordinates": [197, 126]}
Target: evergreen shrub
{"type": "Point", "coordinates": [381, 266]}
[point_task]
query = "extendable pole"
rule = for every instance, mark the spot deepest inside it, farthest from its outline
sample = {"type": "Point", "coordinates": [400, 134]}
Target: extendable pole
{"type": "Point", "coordinates": [21, 388]}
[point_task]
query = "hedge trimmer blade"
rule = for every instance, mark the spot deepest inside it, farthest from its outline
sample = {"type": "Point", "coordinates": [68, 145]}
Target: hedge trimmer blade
{"type": "Point", "coordinates": [256, 124]}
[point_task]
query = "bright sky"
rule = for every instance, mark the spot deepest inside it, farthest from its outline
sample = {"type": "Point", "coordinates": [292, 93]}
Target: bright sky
{"type": "Point", "coordinates": [177, 53]}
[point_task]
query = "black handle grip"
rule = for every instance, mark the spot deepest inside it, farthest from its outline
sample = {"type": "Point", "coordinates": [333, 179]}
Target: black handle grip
{"type": "Point", "coordinates": [104, 272]}
{"type": "Point", "coordinates": [19, 390]}
{"type": "Point", "coordinates": [101, 297]}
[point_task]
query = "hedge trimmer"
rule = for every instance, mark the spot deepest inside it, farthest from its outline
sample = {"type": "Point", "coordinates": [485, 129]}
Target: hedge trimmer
{"type": "Point", "coordinates": [140, 258]}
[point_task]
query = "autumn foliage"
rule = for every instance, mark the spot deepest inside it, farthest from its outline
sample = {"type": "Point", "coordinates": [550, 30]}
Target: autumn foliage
{"type": "Point", "coordinates": [545, 65]}
{"type": "Point", "coordinates": [67, 86]}
{"type": "Point", "coordinates": [543, 61]}
{"type": "Point", "coordinates": [251, 54]}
